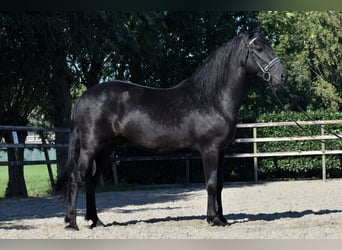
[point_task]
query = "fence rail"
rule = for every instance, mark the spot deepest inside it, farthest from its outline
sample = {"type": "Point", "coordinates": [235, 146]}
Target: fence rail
{"type": "Point", "coordinates": [254, 140]}
{"type": "Point", "coordinates": [42, 144]}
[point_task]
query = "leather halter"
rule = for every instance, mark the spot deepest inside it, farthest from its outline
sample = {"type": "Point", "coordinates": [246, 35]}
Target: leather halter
{"type": "Point", "coordinates": [266, 74]}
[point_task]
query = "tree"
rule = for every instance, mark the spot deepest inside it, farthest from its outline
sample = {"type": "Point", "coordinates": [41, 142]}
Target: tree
{"type": "Point", "coordinates": [310, 45]}
{"type": "Point", "coordinates": [33, 63]}
{"type": "Point", "coordinates": [23, 78]}
{"type": "Point", "coordinates": [161, 48]}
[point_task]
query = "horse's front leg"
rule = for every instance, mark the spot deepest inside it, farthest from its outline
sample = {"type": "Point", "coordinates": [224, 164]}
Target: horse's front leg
{"type": "Point", "coordinates": [98, 167]}
{"type": "Point", "coordinates": [220, 176]}
{"type": "Point", "coordinates": [91, 212]}
{"type": "Point", "coordinates": [77, 178]}
{"type": "Point", "coordinates": [213, 172]}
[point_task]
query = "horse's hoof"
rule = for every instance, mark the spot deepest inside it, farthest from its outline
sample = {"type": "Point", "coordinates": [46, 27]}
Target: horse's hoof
{"type": "Point", "coordinates": [72, 227]}
{"type": "Point", "coordinates": [96, 224]}
{"type": "Point", "coordinates": [216, 221]}
{"type": "Point", "coordinates": [223, 219]}
{"type": "Point", "coordinates": [67, 219]}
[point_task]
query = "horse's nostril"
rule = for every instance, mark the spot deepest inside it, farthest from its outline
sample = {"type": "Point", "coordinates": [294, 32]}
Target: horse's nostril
{"type": "Point", "coordinates": [283, 77]}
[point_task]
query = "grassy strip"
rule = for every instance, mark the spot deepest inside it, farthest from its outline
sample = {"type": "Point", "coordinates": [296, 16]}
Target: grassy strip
{"type": "Point", "coordinates": [36, 178]}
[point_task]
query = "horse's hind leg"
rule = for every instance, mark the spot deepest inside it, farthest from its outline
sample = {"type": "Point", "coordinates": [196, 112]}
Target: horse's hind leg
{"type": "Point", "coordinates": [74, 186]}
{"type": "Point", "coordinates": [77, 178]}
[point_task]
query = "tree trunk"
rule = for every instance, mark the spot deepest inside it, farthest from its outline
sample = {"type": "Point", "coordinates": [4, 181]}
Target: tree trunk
{"type": "Point", "coordinates": [16, 186]}
{"type": "Point", "coordinates": [62, 112]}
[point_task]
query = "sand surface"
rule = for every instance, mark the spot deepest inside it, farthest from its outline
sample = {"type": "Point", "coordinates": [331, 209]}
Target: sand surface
{"type": "Point", "coordinates": [274, 210]}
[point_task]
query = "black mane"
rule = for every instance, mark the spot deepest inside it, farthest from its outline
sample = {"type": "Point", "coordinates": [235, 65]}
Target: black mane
{"type": "Point", "coordinates": [213, 73]}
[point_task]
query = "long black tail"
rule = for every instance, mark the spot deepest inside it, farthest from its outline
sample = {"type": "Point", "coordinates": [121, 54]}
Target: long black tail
{"type": "Point", "coordinates": [63, 183]}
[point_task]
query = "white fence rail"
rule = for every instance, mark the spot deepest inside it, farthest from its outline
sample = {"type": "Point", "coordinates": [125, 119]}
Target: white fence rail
{"type": "Point", "coordinates": [255, 140]}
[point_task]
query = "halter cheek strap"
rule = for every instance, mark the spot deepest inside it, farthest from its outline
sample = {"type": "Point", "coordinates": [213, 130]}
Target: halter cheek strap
{"type": "Point", "coordinates": [251, 41]}
{"type": "Point", "coordinates": [266, 75]}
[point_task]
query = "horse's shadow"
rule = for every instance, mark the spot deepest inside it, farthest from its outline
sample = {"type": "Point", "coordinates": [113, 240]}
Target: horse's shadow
{"type": "Point", "coordinates": [13, 210]}
{"type": "Point", "coordinates": [232, 218]}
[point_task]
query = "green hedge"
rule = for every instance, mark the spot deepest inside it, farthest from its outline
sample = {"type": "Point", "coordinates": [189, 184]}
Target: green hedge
{"type": "Point", "coordinates": [304, 166]}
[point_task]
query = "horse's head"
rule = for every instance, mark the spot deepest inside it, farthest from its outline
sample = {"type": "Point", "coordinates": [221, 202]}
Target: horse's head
{"type": "Point", "coordinates": [262, 60]}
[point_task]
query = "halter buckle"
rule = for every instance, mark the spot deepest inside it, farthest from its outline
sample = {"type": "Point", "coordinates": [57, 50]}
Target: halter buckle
{"type": "Point", "coordinates": [267, 76]}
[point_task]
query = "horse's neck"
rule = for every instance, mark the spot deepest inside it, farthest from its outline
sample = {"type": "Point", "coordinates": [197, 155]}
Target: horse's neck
{"type": "Point", "coordinates": [220, 83]}
{"type": "Point", "coordinates": [233, 92]}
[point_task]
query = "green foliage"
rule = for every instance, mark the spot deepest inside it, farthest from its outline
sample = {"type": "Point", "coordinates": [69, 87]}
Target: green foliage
{"type": "Point", "coordinates": [161, 48]}
{"type": "Point", "coordinates": [23, 75]}
{"type": "Point", "coordinates": [308, 166]}
{"type": "Point", "coordinates": [327, 93]}
{"type": "Point", "coordinates": [310, 45]}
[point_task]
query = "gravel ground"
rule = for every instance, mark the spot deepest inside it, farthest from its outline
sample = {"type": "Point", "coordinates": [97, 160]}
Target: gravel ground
{"type": "Point", "coordinates": [274, 210]}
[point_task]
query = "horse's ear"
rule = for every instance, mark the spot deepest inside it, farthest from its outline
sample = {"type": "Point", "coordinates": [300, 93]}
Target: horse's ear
{"type": "Point", "coordinates": [258, 29]}
{"type": "Point", "coordinates": [252, 28]}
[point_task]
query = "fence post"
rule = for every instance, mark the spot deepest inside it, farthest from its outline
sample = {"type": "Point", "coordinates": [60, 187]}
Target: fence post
{"type": "Point", "coordinates": [115, 171]}
{"type": "Point", "coordinates": [46, 154]}
{"type": "Point", "coordinates": [324, 170]}
{"type": "Point", "coordinates": [187, 170]}
{"type": "Point", "coordinates": [101, 181]}
{"type": "Point", "coordinates": [255, 159]}
{"type": "Point", "coordinates": [16, 141]}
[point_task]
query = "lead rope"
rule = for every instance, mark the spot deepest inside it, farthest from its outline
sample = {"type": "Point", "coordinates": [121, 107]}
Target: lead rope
{"type": "Point", "coordinates": [307, 115]}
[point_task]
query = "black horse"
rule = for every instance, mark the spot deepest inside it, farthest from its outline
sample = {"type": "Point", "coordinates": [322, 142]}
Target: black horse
{"type": "Point", "coordinates": [200, 114]}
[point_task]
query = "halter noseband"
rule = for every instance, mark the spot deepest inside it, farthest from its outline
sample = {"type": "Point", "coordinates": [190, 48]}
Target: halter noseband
{"type": "Point", "coordinates": [266, 75]}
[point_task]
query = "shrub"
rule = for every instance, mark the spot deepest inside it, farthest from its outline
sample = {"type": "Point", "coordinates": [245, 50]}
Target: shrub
{"type": "Point", "coordinates": [304, 166]}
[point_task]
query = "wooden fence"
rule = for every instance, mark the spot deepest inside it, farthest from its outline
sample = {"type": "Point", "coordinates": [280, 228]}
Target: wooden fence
{"type": "Point", "coordinates": [43, 145]}
{"type": "Point", "coordinates": [254, 140]}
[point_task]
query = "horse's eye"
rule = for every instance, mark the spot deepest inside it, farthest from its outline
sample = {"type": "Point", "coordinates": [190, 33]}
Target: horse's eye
{"type": "Point", "coordinates": [257, 46]}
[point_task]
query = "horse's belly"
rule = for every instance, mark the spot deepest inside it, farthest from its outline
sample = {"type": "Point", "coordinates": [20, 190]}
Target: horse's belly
{"type": "Point", "coordinates": [193, 131]}
{"type": "Point", "coordinates": [138, 128]}
{"type": "Point", "coordinates": [159, 139]}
